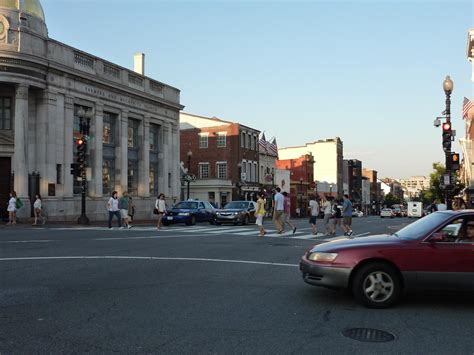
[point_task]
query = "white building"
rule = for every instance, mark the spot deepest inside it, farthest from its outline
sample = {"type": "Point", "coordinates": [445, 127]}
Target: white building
{"type": "Point", "coordinates": [134, 137]}
{"type": "Point", "coordinates": [414, 185]}
{"type": "Point", "coordinates": [283, 179]}
{"type": "Point", "coordinates": [328, 156]}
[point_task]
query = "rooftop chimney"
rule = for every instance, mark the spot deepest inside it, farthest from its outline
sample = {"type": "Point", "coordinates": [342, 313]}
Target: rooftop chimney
{"type": "Point", "coordinates": [139, 63]}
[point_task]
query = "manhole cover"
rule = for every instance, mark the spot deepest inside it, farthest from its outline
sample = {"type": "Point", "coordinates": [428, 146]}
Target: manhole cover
{"type": "Point", "coordinates": [368, 335]}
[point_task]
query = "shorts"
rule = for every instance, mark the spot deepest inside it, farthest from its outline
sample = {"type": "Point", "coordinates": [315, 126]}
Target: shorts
{"type": "Point", "coordinates": [347, 221]}
{"type": "Point", "coordinates": [312, 219]}
{"type": "Point", "coordinates": [285, 217]}
{"type": "Point", "coordinates": [124, 213]}
{"type": "Point", "coordinates": [337, 221]}
{"type": "Point", "coordinates": [327, 217]}
{"type": "Point", "coordinates": [259, 221]}
{"type": "Point", "coordinates": [278, 215]}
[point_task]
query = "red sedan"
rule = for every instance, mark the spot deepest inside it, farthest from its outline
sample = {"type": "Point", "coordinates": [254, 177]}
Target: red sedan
{"type": "Point", "coordinates": [436, 251]}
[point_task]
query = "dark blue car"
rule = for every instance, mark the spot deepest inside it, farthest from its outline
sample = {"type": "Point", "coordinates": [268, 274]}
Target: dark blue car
{"type": "Point", "coordinates": [190, 212]}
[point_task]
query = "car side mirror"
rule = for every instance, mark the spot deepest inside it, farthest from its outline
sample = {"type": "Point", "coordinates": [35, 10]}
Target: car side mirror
{"type": "Point", "coordinates": [437, 237]}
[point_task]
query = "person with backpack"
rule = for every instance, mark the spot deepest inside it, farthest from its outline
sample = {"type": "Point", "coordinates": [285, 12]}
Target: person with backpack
{"type": "Point", "coordinates": [12, 202]}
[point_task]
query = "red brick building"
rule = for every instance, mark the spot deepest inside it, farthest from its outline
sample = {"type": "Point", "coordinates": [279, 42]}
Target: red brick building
{"type": "Point", "coordinates": [223, 156]}
{"type": "Point", "coordinates": [302, 180]}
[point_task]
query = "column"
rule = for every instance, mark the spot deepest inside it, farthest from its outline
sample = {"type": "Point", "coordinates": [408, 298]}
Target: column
{"type": "Point", "coordinates": [122, 154]}
{"type": "Point", "coordinates": [176, 184]}
{"type": "Point", "coordinates": [49, 173]}
{"type": "Point", "coordinates": [144, 160]}
{"type": "Point", "coordinates": [21, 124]}
{"type": "Point", "coordinates": [166, 157]}
{"type": "Point", "coordinates": [68, 145]}
{"type": "Point", "coordinates": [96, 152]}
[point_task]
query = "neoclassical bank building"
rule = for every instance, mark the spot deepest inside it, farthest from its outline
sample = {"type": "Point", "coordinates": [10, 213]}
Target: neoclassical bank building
{"type": "Point", "coordinates": [46, 89]}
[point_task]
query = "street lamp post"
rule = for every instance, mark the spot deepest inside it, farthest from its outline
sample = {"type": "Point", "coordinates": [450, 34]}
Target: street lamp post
{"type": "Point", "coordinates": [190, 154]}
{"type": "Point", "coordinates": [84, 127]}
{"type": "Point", "coordinates": [448, 89]}
{"type": "Point", "coordinates": [301, 196]}
{"type": "Point", "coordinates": [239, 182]}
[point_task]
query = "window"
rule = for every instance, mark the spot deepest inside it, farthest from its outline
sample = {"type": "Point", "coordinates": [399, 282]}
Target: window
{"type": "Point", "coordinates": [5, 113]}
{"type": "Point", "coordinates": [222, 170]}
{"type": "Point", "coordinates": [153, 139]}
{"type": "Point", "coordinates": [242, 139]}
{"type": "Point", "coordinates": [221, 139]}
{"type": "Point", "coordinates": [108, 171]}
{"type": "Point", "coordinates": [204, 170]}
{"type": "Point", "coordinates": [133, 133]}
{"type": "Point", "coordinates": [203, 140]}
{"type": "Point", "coordinates": [247, 141]}
{"type": "Point", "coordinates": [132, 177]}
{"type": "Point", "coordinates": [108, 131]}
{"type": "Point", "coordinates": [153, 180]}
{"type": "Point", "coordinates": [59, 174]}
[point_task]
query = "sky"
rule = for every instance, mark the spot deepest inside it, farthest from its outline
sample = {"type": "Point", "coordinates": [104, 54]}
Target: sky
{"type": "Point", "coordinates": [369, 72]}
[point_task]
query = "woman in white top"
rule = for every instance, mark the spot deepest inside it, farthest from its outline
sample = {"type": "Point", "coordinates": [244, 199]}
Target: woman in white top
{"type": "Point", "coordinates": [38, 210]}
{"type": "Point", "coordinates": [327, 208]}
{"type": "Point", "coordinates": [12, 208]}
{"type": "Point", "coordinates": [113, 208]}
{"type": "Point", "coordinates": [160, 207]}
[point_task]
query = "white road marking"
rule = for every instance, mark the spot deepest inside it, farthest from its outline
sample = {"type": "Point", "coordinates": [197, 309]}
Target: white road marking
{"type": "Point", "coordinates": [146, 258]}
{"type": "Point", "coordinates": [28, 241]}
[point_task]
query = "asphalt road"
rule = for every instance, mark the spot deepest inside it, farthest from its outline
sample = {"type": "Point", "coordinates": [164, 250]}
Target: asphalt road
{"type": "Point", "coordinates": [200, 289]}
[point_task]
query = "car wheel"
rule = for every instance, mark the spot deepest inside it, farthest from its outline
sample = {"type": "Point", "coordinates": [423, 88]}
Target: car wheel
{"type": "Point", "coordinates": [165, 223]}
{"type": "Point", "coordinates": [376, 285]}
{"type": "Point", "coordinates": [217, 223]}
{"type": "Point", "coordinates": [192, 221]}
{"type": "Point", "coordinates": [381, 216]}
{"type": "Point", "coordinates": [245, 221]}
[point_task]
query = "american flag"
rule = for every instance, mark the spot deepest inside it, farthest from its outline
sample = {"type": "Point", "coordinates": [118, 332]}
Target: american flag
{"type": "Point", "coordinates": [466, 106]}
{"type": "Point", "coordinates": [272, 147]}
{"type": "Point", "coordinates": [263, 144]}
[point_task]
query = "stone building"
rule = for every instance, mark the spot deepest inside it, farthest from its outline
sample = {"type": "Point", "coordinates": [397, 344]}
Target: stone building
{"type": "Point", "coordinates": [44, 84]}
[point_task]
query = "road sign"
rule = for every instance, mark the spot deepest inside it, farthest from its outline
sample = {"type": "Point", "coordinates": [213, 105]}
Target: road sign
{"type": "Point", "coordinates": [446, 180]}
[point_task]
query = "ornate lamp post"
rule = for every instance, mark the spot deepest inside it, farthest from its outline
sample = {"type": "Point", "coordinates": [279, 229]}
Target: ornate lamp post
{"type": "Point", "coordinates": [84, 127]}
{"type": "Point", "coordinates": [190, 154]}
{"type": "Point", "coordinates": [448, 86]}
{"type": "Point", "coordinates": [239, 181]}
{"type": "Point", "coordinates": [301, 196]}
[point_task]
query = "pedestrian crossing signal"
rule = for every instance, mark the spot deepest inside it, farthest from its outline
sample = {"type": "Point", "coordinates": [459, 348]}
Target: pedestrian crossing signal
{"type": "Point", "coordinates": [454, 161]}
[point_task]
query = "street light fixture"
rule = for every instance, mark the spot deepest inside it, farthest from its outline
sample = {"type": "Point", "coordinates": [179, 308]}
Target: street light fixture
{"type": "Point", "coordinates": [190, 154]}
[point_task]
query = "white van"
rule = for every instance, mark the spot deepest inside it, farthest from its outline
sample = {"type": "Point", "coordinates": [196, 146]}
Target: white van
{"type": "Point", "coordinates": [415, 209]}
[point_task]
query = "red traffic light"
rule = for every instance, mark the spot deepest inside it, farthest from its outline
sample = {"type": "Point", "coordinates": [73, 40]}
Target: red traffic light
{"type": "Point", "coordinates": [447, 126]}
{"type": "Point", "coordinates": [80, 141]}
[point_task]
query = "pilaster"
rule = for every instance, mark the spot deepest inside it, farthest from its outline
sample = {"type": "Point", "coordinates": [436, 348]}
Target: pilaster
{"type": "Point", "coordinates": [20, 125]}
{"type": "Point", "coordinates": [144, 162]}
{"type": "Point", "coordinates": [68, 145]}
{"type": "Point", "coordinates": [96, 186]}
{"type": "Point", "coordinates": [122, 154]}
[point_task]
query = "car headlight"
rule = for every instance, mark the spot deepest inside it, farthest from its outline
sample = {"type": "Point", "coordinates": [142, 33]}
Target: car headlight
{"type": "Point", "coordinates": [218, 213]}
{"type": "Point", "coordinates": [183, 214]}
{"type": "Point", "coordinates": [236, 213]}
{"type": "Point", "coordinates": [328, 257]}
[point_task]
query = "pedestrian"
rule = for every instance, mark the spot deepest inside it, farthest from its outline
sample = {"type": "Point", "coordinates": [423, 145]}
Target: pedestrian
{"type": "Point", "coordinates": [314, 213]}
{"type": "Point", "coordinates": [113, 208]}
{"type": "Point", "coordinates": [123, 205]}
{"type": "Point", "coordinates": [160, 209]}
{"type": "Point", "coordinates": [131, 208]}
{"type": "Point", "coordinates": [337, 213]}
{"type": "Point", "coordinates": [260, 213]}
{"type": "Point", "coordinates": [298, 212]}
{"type": "Point", "coordinates": [12, 208]}
{"type": "Point", "coordinates": [327, 210]}
{"type": "Point", "coordinates": [347, 216]}
{"type": "Point", "coordinates": [38, 210]}
{"type": "Point", "coordinates": [287, 212]}
{"type": "Point", "coordinates": [433, 207]}
{"type": "Point", "coordinates": [279, 208]}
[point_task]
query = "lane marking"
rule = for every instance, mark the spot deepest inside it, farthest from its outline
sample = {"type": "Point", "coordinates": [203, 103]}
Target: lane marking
{"type": "Point", "coordinates": [27, 241]}
{"type": "Point", "coordinates": [117, 257]}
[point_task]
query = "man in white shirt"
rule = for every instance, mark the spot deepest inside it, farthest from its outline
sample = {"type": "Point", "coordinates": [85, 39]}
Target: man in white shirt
{"type": "Point", "coordinates": [314, 213]}
{"type": "Point", "coordinates": [279, 209]}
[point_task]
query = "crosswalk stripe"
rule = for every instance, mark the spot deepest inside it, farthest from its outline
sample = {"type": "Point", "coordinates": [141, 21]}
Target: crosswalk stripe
{"type": "Point", "coordinates": [236, 231]}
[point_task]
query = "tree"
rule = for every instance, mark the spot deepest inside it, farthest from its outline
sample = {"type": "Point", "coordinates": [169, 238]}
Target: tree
{"type": "Point", "coordinates": [390, 200]}
{"type": "Point", "coordinates": [437, 190]}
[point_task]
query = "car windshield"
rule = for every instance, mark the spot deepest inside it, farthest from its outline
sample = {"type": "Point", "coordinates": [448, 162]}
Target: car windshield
{"type": "Point", "coordinates": [186, 205]}
{"type": "Point", "coordinates": [421, 227]}
{"type": "Point", "coordinates": [236, 205]}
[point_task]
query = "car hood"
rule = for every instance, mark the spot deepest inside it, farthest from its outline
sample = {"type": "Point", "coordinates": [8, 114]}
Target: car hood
{"type": "Point", "coordinates": [230, 210]}
{"type": "Point", "coordinates": [382, 239]}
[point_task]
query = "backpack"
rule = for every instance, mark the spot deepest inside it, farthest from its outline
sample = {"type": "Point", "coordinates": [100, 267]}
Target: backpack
{"type": "Point", "coordinates": [18, 203]}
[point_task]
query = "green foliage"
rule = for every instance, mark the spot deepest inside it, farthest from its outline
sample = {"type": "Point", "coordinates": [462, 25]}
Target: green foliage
{"type": "Point", "coordinates": [437, 191]}
{"type": "Point", "coordinates": [390, 200]}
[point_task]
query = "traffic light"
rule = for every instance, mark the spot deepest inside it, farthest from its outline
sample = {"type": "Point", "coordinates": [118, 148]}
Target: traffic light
{"type": "Point", "coordinates": [454, 161]}
{"type": "Point", "coordinates": [447, 134]}
{"type": "Point", "coordinates": [81, 153]}
{"type": "Point", "coordinates": [75, 169]}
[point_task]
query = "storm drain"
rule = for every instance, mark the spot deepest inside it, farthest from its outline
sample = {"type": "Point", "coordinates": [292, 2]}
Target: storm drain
{"type": "Point", "coordinates": [368, 335]}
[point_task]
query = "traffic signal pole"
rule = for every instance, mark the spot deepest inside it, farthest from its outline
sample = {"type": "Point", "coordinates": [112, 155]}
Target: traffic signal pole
{"type": "Point", "coordinates": [447, 150]}
{"type": "Point", "coordinates": [82, 168]}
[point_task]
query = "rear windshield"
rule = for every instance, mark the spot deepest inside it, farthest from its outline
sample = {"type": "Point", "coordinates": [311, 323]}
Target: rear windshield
{"type": "Point", "coordinates": [423, 226]}
{"type": "Point", "coordinates": [187, 205]}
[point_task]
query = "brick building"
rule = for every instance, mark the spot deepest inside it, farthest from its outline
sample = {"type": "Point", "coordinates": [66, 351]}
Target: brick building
{"type": "Point", "coordinates": [301, 180]}
{"type": "Point", "coordinates": [223, 156]}
{"type": "Point", "coordinates": [375, 190]}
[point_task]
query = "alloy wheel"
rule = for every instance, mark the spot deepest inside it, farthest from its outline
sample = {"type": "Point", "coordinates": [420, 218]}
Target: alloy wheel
{"type": "Point", "coordinates": [378, 286]}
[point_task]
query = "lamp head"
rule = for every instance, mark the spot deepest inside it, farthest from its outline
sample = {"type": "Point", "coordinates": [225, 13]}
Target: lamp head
{"type": "Point", "coordinates": [448, 85]}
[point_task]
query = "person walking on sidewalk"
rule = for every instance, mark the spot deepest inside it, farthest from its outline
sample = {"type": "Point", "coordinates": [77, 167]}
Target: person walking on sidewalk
{"type": "Point", "coordinates": [260, 213]}
{"type": "Point", "coordinates": [113, 208]}
{"type": "Point", "coordinates": [279, 208]}
{"type": "Point", "coordinates": [347, 216]}
{"type": "Point", "coordinates": [123, 205]}
{"type": "Point", "coordinates": [287, 212]}
{"type": "Point", "coordinates": [160, 209]}
{"type": "Point", "coordinates": [12, 208]}
{"type": "Point", "coordinates": [38, 210]}
{"type": "Point", "coordinates": [327, 208]}
{"type": "Point", "coordinates": [314, 213]}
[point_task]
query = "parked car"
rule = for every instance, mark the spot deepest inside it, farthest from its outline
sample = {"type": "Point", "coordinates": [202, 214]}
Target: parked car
{"type": "Point", "coordinates": [190, 212]}
{"type": "Point", "coordinates": [435, 252]}
{"type": "Point", "coordinates": [237, 212]}
{"type": "Point", "coordinates": [387, 212]}
{"type": "Point", "coordinates": [357, 213]}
